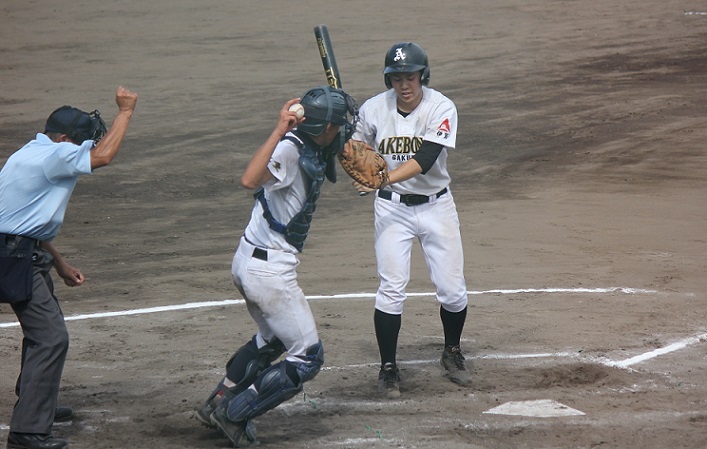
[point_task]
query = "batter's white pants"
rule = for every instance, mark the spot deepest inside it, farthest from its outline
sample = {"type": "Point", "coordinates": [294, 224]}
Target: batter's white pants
{"type": "Point", "coordinates": [436, 225]}
{"type": "Point", "coordinates": [274, 300]}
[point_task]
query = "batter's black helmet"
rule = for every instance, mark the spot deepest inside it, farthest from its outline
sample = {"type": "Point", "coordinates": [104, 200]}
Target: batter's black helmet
{"type": "Point", "coordinates": [406, 57]}
{"type": "Point", "coordinates": [78, 125]}
{"type": "Point", "coordinates": [324, 105]}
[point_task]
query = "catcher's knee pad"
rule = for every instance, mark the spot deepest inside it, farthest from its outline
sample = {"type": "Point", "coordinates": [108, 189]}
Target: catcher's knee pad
{"type": "Point", "coordinates": [276, 385]}
{"type": "Point", "coordinates": [249, 361]}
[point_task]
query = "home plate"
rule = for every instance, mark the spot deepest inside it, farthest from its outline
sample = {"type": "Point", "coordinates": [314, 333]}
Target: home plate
{"type": "Point", "coordinates": [543, 408]}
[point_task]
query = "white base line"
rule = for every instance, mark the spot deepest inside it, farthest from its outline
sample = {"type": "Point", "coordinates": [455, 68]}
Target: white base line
{"type": "Point", "coordinates": [660, 351]}
{"type": "Point", "coordinates": [226, 302]}
{"type": "Point", "coordinates": [192, 305]}
{"type": "Point", "coordinates": [682, 344]}
{"type": "Point", "coordinates": [541, 355]}
{"type": "Point", "coordinates": [620, 364]}
{"type": "Point", "coordinates": [624, 290]}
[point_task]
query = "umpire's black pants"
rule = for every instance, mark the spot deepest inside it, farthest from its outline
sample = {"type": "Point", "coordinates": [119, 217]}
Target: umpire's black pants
{"type": "Point", "coordinates": [44, 348]}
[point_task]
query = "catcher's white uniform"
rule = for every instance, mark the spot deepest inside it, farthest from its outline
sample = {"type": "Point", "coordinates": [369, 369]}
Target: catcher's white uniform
{"type": "Point", "coordinates": [433, 218]}
{"type": "Point", "coordinates": [274, 300]}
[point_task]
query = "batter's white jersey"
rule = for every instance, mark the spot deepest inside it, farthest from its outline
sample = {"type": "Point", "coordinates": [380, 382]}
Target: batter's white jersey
{"type": "Point", "coordinates": [435, 222]}
{"type": "Point", "coordinates": [398, 138]}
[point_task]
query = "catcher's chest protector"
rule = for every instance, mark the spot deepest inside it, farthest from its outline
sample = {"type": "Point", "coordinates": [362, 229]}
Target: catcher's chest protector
{"type": "Point", "coordinates": [296, 230]}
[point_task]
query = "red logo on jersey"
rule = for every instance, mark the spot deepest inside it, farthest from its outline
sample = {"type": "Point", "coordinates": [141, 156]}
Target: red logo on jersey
{"type": "Point", "coordinates": [444, 127]}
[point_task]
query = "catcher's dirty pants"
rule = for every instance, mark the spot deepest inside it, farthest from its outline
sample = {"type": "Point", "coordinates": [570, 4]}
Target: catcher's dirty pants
{"type": "Point", "coordinates": [274, 299]}
{"type": "Point", "coordinates": [44, 348]}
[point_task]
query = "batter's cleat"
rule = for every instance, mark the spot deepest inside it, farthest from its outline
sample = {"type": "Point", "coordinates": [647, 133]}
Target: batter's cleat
{"type": "Point", "coordinates": [389, 381]}
{"type": "Point", "coordinates": [452, 362]}
{"type": "Point", "coordinates": [241, 434]}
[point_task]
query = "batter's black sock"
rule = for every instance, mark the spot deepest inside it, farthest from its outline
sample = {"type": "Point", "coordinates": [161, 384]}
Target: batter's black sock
{"type": "Point", "coordinates": [453, 324]}
{"type": "Point", "coordinates": [387, 329]}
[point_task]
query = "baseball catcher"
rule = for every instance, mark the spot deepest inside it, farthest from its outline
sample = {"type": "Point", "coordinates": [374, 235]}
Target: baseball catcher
{"type": "Point", "coordinates": [287, 174]}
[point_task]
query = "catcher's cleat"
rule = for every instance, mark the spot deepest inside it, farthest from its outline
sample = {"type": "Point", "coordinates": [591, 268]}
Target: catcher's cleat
{"type": "Point", "coordinates": [241, 434]}
{"type": "Point", "coordinates": [217, 398]}
{"type": "Point", "coordinates": [452, 362]}
{"type": "Point", "coordinates": [205, 412]}
{"type": "Point", "coordinates": [389, 381]}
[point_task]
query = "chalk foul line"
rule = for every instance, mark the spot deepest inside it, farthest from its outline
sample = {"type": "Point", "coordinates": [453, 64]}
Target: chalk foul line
{"type": "Point", "coordinates": [227, 302]}
{"type": "Point", "coordinates": [623, 290]}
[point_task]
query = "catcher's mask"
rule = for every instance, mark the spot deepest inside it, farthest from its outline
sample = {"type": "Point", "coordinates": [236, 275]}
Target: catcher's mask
{"type": "Point", "coordinates": [324, 105]}
{"type": "Point", "coordinates": [78, 125]}
{"type": "Point", "coordinates": [406, 57]}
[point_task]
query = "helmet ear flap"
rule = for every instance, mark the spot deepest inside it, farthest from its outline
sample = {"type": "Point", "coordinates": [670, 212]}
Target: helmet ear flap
{"type": "Point", "coordinates": [425, 76]}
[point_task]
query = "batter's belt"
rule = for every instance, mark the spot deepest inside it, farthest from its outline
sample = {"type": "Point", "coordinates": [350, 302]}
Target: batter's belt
{"type": "Point", "coordinates": [410, 199]}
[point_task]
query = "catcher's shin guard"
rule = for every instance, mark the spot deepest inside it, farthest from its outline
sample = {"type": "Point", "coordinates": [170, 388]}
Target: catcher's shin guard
{"type": "Point", "coordinates": [242, 369]}
{"type": "Point", "coordinates": [276, 385]}
{"type": "Point", "coordinates": [249, 361]}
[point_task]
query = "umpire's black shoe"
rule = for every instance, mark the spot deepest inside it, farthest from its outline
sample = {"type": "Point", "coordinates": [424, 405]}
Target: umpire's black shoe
{"type": "Point", "coordinates": [34, 441]}
{"type": "Point", "coordinates": [63, 414]}
{"type": "Point", "coordinates": [241, 434]}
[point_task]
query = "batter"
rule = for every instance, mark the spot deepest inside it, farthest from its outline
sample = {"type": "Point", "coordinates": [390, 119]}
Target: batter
{"type": "Point", "coordinates": [413, 127]}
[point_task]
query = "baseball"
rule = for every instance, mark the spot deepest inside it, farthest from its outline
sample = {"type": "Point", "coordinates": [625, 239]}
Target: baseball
{"type": "Point", "coordinates": [298, 109]}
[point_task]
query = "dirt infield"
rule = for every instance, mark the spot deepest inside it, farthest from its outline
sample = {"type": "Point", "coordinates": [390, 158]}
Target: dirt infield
{"type": "Point", "coordinates": [580, 178]}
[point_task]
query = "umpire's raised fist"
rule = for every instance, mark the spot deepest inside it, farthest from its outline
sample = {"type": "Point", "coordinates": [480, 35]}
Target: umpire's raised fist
{"type": "Point", "coordinates": [125, 99]}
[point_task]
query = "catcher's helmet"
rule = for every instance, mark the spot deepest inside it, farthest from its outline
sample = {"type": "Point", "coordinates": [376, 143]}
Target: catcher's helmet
{"type": "Point", "coordinates": [406, 57]}
{"type": "Point", "coordinates": [78, 125]}
{"type": "Point", "coordinates": [324, 105]}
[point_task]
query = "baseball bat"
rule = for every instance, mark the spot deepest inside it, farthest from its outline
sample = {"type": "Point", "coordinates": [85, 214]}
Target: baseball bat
{"type": "Point", "coordinates": [331, 69]}
{"type": "Point", "coordinates": [326, 52]}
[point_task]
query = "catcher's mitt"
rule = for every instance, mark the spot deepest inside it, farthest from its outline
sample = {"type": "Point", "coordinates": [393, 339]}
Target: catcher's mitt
{"type": "Point", "coordinates": [364, 164]}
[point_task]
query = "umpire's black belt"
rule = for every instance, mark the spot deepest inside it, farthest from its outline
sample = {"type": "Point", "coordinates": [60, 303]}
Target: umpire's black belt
{"type": "Point", "coordinates": [12, 240]}
{"type": "Point", "coordinates": [411, 200]}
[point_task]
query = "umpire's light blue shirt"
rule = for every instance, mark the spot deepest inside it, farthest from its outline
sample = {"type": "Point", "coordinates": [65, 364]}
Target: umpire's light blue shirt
{"type": "Point", "coordinates": [36, 184]}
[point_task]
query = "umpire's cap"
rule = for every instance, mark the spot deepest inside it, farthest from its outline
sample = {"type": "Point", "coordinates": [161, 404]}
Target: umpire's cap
{"type": "Point", "coordinates": [77, 124]}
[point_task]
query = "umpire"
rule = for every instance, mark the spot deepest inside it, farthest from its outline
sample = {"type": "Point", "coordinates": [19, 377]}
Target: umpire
{"type": "Point", "coordinates": [35, 186]}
